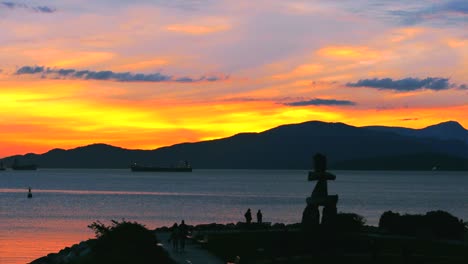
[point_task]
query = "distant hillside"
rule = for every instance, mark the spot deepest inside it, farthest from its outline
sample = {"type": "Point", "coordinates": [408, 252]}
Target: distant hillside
{"type": "Point", "coordinates": [283, 147]}
{"type": "Point", "coordinates": [450, 130]}
{"type": "Point", "coordinates": [423, 161]}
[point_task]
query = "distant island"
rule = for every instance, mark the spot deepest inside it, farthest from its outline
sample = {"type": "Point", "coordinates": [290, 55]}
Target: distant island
{"type": "Point", "coordinates": [442, 146]}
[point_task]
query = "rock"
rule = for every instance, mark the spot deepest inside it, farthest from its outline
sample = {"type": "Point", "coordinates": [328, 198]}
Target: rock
{"type": "Point", "coordinates": [310, 217]}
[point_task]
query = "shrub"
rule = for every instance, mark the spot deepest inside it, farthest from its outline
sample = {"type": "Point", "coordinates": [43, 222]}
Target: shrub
{"type": "Point", "coordinates": [434, 224]}
{"type": "Point", "coordinates": [388, 221]}
{"type": "Point", "coordinates": [445, 225]}
{"type": "Point", "coordinates": [349, 222]}
{"type": "Point", "coordinates": [126, 242]}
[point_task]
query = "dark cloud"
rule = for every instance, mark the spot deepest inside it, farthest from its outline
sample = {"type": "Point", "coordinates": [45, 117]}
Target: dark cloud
{"type": "Point", "coordinates": [9, 4]}
{"type": "Point", "coordinates": [52, 73]}
{"type": "Point", "coordinates": [30, 70]}
{"type": "Point", "coordinates": [318, 101]}
{"type": "Point", "coordinates": [440, 11]}
{"type": "Point", "coordinates": [457, 6]}
{"type": "Point", "coordinates": [184, 79]}
{"type": "Point", "coordinates": [38, 9]}
{"type": "Point", "coordinates": [409, 119]}
{"type": "Point", "coordinates": [44, 9]}
{"type": "Point", "coordinates": [407, 84]}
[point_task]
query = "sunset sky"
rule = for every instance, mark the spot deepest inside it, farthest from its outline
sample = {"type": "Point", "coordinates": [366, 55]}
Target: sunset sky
{"type": "Point", "coordinates": [145, 74]}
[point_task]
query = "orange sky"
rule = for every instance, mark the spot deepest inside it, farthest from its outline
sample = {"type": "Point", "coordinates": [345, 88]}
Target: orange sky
{"type": "Point", "coordinates": [160, 74]}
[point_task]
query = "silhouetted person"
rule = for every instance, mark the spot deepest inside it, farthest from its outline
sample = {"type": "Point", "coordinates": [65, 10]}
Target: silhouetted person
{"type": "Point", "coordinates": [175, 234]}
{"type": "Point", "coordinates": [29, 193]}
{"type": "Point", "coordinates": [183, 232]}
{"type": "Point", "coordinates": [248, 216]}
{"type": "Point", "coordinates": [259, 216]}
{"type": "Point", "coordinates": [374, 250]}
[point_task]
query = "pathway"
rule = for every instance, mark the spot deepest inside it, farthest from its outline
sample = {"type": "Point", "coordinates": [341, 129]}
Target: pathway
{"type": "Point", "coordinates": [193, 254]}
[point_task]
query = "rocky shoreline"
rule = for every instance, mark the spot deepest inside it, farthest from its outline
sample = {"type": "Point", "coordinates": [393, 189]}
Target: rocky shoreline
{"type": "Point", "coordinates": [218, 238]}
{"type": "Point", "coordinates": [68, 254]}
{"type": "Point", "coordinates": [84, 248]}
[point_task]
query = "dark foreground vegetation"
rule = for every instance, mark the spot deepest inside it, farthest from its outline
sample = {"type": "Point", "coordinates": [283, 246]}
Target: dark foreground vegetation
{"type": "Point", "coordinates": [120, 243]}
{"type": "Point", "coordinates": [432, 225]}
{"type": "Point", "coordinates": [348, 240]}
{"type": "Point", "coordinates": [435, 237]}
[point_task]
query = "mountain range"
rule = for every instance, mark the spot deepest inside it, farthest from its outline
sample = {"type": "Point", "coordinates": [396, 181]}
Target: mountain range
{"type": "Point", "coordinates": [443, 146]}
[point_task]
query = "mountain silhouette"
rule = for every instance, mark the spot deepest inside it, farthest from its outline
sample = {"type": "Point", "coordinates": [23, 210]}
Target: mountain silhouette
{"type": "Point", "coordinates": [449, 130]}
{"type": "Point", "coordinates": [284, 147]}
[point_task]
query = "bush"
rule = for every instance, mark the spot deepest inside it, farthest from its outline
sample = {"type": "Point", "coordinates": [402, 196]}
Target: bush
{"type": "Point", "coordinates": [434, 224]}
{"type": "Point", "coordinates": [349, 222]}
{"type": "Point", "coordinates": [388, 221]}
{"type": "Point", "coordinates": [126, 242]}
{"type": "Point", "coordinates": [445, 225]}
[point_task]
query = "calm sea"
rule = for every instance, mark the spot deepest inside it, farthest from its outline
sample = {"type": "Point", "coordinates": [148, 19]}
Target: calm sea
{"type": "Point", "coordinates": [65, 201]}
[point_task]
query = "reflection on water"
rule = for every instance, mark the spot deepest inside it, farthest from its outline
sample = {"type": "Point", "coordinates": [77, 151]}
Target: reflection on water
{"type": "Point", "coordinates": [65, 201]}
{"type": "Point", "coordinates": [95, 192]}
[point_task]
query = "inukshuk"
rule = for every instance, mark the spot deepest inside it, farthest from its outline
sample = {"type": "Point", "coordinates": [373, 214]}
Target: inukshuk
{"type": "Point", "coordinates": [320, 197]}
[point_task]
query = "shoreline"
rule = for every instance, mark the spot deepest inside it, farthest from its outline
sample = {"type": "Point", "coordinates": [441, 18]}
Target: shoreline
{"type": "Point", "coordinates": [203, 234]}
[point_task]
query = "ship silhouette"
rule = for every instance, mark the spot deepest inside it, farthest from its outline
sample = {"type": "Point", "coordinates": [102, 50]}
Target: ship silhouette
{"type": "Point", "coordinates": [183, 166]}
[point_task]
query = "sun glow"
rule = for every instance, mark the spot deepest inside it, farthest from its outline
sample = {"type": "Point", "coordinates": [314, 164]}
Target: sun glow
{"type": "Point", "coordinates": [350, 53]}
{"type": "Point", "coordinates": [234, 67]}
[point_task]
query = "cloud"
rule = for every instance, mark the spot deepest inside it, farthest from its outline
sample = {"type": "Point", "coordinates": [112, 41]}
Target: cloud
{"type": "Point", "coordinates": [37, 9]}
{"type": "Point", "coordinates": [44, 9]}
{"type": "Point", "coordinates": [407, 84]}
{"type": "Point", "coordinates": [318, 101]}
{"type": "Point", "coordinates": [53, 73]}
{"type": "Point", "coordinates": [300, 71]}
{"type": "Point", "coordinates": [409, 119]}
{"type": "Point", "coordinates": [454, 11]}
{"type": "Point", "coordinates": [350, 53]}
{"type": "Point", "coordinates": [196, 30]}
{"type": "Point", "coordinates": [29, 70]}
{"type": "Point", "coordinates": [457, 6]}
{"type": "Point", "coordinates": [186, 5]}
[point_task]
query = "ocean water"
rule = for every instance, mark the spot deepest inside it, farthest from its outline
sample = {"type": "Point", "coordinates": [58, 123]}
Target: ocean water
{"type": "Point", "coordinates": [65, 201]}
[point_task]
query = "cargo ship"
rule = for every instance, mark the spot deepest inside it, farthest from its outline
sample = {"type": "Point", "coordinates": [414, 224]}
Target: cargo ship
{"type": "Point", "coordinates": [183, 167]}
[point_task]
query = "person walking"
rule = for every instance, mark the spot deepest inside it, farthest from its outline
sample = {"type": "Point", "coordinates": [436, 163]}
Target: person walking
{"type": "Point", "coordinates": [259, 216]}
{"type": "Point", "coordinates": [183, 232]}
{"type": "Point", "coordinates": [248, 216]}
{"type": "Point", "coordinates": [175, 234]}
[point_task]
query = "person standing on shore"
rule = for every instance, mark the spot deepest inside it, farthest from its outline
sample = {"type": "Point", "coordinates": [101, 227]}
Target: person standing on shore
{"type": "Point", "coordinates": [175, 234]}
{"type": "Point", "coordinates": [259, 216]}
{"type": "Point", "coordinates": [183, 232]}
{"type": "Point", "coordinates": [248, 216]}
